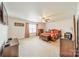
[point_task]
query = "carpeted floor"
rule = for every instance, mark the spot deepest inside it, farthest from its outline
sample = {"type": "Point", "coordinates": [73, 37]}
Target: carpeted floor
{"type": "Point", "coordinates": [35, 47]}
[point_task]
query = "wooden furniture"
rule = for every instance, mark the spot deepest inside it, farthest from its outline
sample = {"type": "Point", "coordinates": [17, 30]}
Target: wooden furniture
{"type": "Point", "coordinates": [40, 31]}
{"type": "Point", "coordinates": [45, 37]}
{"type": "Point", "coordinates": [67, 48]}
{"type": "Point", "coordinates": [55, 34]}
{"type": "Point", "coordinates": [11, 49]}
{"type": "Point", "coordinates": [52, 35]}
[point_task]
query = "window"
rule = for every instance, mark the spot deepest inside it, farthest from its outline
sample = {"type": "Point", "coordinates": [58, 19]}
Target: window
{"type": "Point", "coordinates": [32, 28]}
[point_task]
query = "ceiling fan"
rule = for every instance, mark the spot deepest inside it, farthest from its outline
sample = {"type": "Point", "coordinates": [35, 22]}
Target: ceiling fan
{"type": "Point", "coordinates": [46, 18]}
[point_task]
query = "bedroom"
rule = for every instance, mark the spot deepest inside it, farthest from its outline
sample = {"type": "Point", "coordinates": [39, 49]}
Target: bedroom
{"type": "Point", "coordinates": [40, 27]}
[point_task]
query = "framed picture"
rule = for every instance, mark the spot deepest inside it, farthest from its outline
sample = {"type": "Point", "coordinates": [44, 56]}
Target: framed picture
{"type": "Point", "coordinates": [19, 24]}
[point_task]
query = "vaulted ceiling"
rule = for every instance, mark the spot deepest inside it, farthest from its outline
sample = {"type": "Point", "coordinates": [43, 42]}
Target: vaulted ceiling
{"type": "Point", "coordinates": [34, 11]}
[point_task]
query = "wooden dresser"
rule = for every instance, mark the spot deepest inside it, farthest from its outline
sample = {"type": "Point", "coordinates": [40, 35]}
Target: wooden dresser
{"type": "Point", "coordinates": [11, 49]}
{"type": "Point", "coordinates": [67, 48]}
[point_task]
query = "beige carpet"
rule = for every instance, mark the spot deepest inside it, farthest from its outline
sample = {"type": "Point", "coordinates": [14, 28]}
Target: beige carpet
{"type": "Point", "coordinates": [35, 47]}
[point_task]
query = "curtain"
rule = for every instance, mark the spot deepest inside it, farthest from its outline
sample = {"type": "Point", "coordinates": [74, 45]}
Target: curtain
{"type": "Point", "coordinates": [36, 29]}
{"type": "Point", "coordinates": [26, 30]}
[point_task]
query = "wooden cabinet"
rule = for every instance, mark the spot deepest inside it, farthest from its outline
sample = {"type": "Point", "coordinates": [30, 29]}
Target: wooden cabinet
{"type": "Point", "coordinates": [40, 31]}
{"type": "Point", "coordinates": [67, 48]}
{"type": "Point", "coordinates": [11, 51]}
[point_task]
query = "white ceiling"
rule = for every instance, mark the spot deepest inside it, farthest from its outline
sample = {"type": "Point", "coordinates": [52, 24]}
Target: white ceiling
{"type": "Point", "coordinates": [33, 11]}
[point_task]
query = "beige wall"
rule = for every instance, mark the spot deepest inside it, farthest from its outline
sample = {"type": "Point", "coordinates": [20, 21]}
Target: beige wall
{"type": "Point", "coordinates": [3, 34]}
{"type": "Point", "coordinates": [19, 32]}
{"type": "Point", "coordinates": [64, 25]}
{"type": "Point", "coordinates": [16, 31]}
